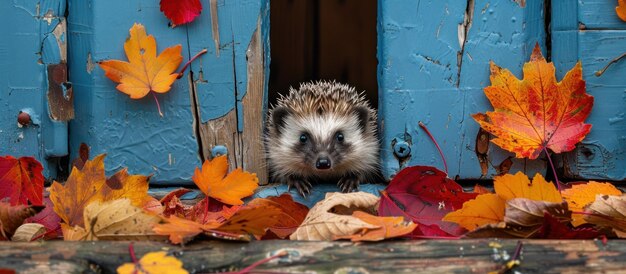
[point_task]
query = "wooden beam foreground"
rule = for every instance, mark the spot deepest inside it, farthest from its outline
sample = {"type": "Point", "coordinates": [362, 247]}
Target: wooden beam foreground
{"type": "Point", "coordinates": [424, 256]}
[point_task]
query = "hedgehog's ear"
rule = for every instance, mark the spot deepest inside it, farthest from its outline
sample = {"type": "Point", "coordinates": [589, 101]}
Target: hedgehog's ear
{"type": "Point", "coordinates": [363, 115]}
{"type": "Point", "coordinates": [278, 118]}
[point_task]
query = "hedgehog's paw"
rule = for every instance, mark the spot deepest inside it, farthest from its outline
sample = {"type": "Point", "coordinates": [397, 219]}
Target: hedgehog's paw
{"type": "Point", "coordinates": [301, 185]}
{"type": "Point", "coordinates": [348, 184]}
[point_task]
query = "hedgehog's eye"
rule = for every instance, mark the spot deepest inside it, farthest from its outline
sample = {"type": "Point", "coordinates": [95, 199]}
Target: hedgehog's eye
{"type": "Point", "coordinates": [303, 138]}
{"type": "Point", "coordinates": [339, 137]}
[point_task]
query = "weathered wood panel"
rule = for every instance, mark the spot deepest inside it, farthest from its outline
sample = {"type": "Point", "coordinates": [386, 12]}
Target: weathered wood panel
{"type": "Point", "coordinates": [430, 256]}
{"type": "Point", "coordinates": [590, 32]}
{"type": "Point", "coordinates": [203, 112]}
{"type": "Point", "coordinates": [433, 63]}
{"type": "Point", "coordinates": [33, 80]}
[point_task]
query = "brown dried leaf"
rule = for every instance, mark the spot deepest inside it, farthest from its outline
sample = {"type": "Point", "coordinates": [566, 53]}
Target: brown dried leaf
{"type": "Point", "coordinates": [28, 232]}
{"type": "Point", "coordinates": [325, 220]}
{"type": "Point", "coordinates": [11, 217]}
{"type": "Point", "coordinates": [608, 211]}
{"type": "Point", "coordinates": [118, 220]}
{"type": "Point", "coordinates": [530, 213]}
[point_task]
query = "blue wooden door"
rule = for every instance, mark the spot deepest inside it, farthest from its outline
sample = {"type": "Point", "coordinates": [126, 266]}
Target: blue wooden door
{"type": "Point", "coordinates": [33, 81]}
{"type": "Point", "coordinates": [433, 64]}
{"type": "Point", "coordinates": [590, 31]}
{"type": "Point", "coordinates": [215, 108]}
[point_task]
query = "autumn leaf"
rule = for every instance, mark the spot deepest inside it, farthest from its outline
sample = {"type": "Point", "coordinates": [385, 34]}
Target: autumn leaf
{"type": "Point", "coordinates": [248, 220]}
{"type": "Point", "coordinates": [388, 227]}
{"type": "Point", "coordinates": [28, 232]}
{"type": "Point", "coordinates": [229, 189]}
{"type": "Point", "coordinates": [519, 186]}
{"type": "Point", "coordinates": [554, 228]}
{"type": "Point", "coordinates": [181, 11]}
{"type": "Point", "coordinates": [118, 220]}
{"type": "Point", "coordinates": [291, 216]}
{"type": "Point", "coordinates": [621, 9]}
{"type": "Point", "coordinates": [154, 263]}
{"type": "Point", "coordinates": [21, 180]}
{"type": "Point", "coordinates": [580, 195]}
{"type": "Point", "coordinates": [485, 209]}
{"type": "Point", "coordinates": [49, 219]}
{"type": "Point", "coordinates": [332, 218]}
{"type": "Point", "coordinates": [608, 211]}
{"type": "Point", "coordinates": [424, 195]}
{"type": "Point", "coordinates": [11, 217]}
{"type": "Point", "coordinates": [536, 113]}
{"type": "Point", "coordinates": [490, 208]}
{"type": "Point", "coordinates": [144, 71]}
{"type": "Point", "coordinates": [90, 184]}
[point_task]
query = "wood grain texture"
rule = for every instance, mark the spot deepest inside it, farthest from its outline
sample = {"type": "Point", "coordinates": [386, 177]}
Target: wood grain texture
{"type": "Point", "coordinates": [428, 256]}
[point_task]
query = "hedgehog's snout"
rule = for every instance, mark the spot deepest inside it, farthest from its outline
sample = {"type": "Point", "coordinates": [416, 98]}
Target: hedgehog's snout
{"type": "Point", "coordinates": [323, 162]}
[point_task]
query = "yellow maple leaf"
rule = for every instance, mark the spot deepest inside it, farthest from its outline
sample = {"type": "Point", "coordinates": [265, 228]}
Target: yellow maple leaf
{"type": "Point", "coordinates": [485, 209]}
{"type": "Point", "coordinates": [90, 184]}
{"type": "Point", "coordinates": [154, 263]}
{"type": "Point", "coordinates": [519, 186]}
{"type": "Point", "coordinates": [144, 71]}
{"type": "Point", "coordinates": [229, 189]}
{"type": "Point", "coordinates": [581, 195]}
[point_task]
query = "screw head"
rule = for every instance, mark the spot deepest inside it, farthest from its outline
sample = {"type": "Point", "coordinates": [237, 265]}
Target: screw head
{"type": "Point", "coordinates": [401, 149]}
{"type": "Point", "coordinates": [23, 118]}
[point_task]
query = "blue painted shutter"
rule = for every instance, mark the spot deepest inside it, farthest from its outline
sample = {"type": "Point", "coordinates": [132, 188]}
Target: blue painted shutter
{"type": "Point", "coordinates": [590, 31]}
{"type": "Point", "coordinates": [433, 65]}
{"type": "Point", "coordinates": [33, 80]}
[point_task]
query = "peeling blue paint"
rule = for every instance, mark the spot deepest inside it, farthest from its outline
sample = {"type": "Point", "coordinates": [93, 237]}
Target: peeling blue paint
{"type": "Point", "coordinates": [433, 64]}
{"type": "Point", "coordinates": [589, 31]}
{"type": "Point", "coordinates": [26, 49]}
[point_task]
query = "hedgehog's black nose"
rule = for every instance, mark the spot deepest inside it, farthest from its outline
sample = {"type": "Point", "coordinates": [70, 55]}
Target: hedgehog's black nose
{"type": "Point", "coordinates": [322, 163]}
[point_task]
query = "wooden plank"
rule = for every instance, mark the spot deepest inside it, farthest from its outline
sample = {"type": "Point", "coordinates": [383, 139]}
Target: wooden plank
{"type": "Point", "coordinates": [347, 44]}
{"type": "Point", "coordinates": [131, 132]}
{"type": "Point", "coordinates": [33, 44]}
{"type": "Point", "coordinates": [229, 83]}
{"type": "Point", "coordinates": [428, 256]}
{"type": "Point", "coordinates": [580, 32]}
{"type": "Point", "coordinates": [597, 14]}
{"type": "Point", "coordinates": [433, 63]}
{"type": "Point", "coordinates": [292, 41]}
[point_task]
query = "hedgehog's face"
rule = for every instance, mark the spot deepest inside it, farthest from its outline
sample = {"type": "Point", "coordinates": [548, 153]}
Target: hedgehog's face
{"type": "Point", "coordinates": [321, 144]}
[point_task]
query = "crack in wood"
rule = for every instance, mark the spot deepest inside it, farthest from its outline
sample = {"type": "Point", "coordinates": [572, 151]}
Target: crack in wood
{"type": "Point", "coordinates": [463, 32]}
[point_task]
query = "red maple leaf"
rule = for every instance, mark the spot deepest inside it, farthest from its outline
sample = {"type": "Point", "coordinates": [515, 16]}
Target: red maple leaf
{"type": "Point", "coordinates": [424, 195]}
{"type": "Point", "coordinates": [21, 180]}
{"type": "Point", "coordinates": [181, 11]}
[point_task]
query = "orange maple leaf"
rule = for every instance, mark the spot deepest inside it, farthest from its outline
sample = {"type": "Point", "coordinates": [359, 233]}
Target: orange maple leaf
{"type": "Point", "coordinates": [144, 71]}
{"type": "Point", "coordinates": [536, 113]}
{"type": "Point", "coordinates": [485, 209]}
{"type": "Point", "coordinates": [388, 227]}
{"type": "Point", "coordinates": [621, 9]}
{"type": "Point", "coordinates": [250, 219]}
{"type": "Point", "coordinates": [229, 189]}
{"type": "Point", "coordinates": [90, 184]}
{"type": "Point", "coordinates": [21, 180]}
{"type": "Point", "coordinates": [582, 195]}
{"type": "Point", "coordinates": [490, 208]}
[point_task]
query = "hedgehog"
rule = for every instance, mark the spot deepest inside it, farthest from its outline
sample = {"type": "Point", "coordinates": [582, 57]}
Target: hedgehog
{"type": "Point", "coordinates": [322, 132]}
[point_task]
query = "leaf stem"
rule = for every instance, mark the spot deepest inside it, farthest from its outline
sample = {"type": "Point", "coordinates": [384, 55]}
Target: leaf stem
{"type": "Point", "coordinates": [182, 71]}
{"type": "Point", "coordinates": [556, 178]}
{"type": "Point", "coordinates": [260, 262]}
{"type": "Point", "coordinates": [157, 103]}
{"type": "Point", "coordinates": [600, 72]}
{"type": "Point", "coordinates": [445, 165]}
{"type": "Point", "coordinates": [133, 258]}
